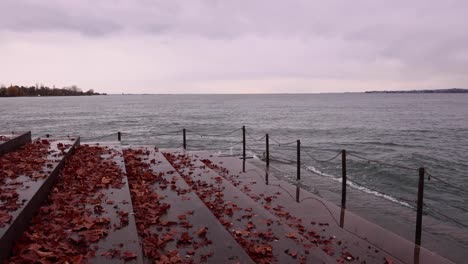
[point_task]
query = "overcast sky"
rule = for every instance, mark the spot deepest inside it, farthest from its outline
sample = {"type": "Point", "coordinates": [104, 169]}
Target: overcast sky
{"type": "Point", "coordinates": [252, 46]}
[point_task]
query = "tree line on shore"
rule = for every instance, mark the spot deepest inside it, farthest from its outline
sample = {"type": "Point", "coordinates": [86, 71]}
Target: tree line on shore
{"type": "Point", "coordinates": [15, 90]}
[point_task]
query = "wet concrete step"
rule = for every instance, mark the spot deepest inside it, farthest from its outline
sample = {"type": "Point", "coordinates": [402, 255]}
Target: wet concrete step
{"type": "Point", "coordinates": [11, 141]}
{"type": "Point", "coordinates": [357, 237]}
{"type": "Point", "coordinates": [173, 222]}
{"type": "Point", "coordinates": [262, 235]}
{"type": "Point", "coordinates": [26, 177]}
{"type": "Point", "coordinates": [118, 207]}
{"type": "Point", "coordinates": [88, 215]}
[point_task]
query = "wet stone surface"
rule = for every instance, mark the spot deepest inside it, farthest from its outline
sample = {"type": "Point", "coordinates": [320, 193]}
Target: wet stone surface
{"type": "Point", "coordinates": [78, 222]}
{"type": "Point", "coordinates": [26, 176]}
{"type": "Point", "coordinates": [341, 234]}
{"type": "Point", "coordinates": [262, 235]}
{"type": "Point", "coordinates": [173, 223]}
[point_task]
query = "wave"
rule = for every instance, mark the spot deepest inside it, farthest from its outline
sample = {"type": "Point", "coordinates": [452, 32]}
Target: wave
{"type": "Point", "coordinates": [360, 187]}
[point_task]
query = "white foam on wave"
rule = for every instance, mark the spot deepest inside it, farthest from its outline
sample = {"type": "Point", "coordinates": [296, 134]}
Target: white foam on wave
{"type": "Point", "coordinates": [359, 187]}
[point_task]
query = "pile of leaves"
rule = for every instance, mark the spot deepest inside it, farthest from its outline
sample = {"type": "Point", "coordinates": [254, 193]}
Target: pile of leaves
{"type": "Point", "coordinates": [28, 161]}
{"type": "Point", "coordinates": [158, 235]}
{"type": "Point", "coordinates": [68, 226]}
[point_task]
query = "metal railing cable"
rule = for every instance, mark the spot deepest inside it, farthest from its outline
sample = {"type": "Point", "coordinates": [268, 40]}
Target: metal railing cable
{"type": "Point", "coordinates": [444, 215]}
{"type": "Point", "coordinates": [170, 133]}
{"type": "Point", "coordinates": [319, 160]}
{"type": "Point", "coordinates": [214, 135]}
{"type": "Point", "coordinates": [217, 148]}
{"type": "Point", "coordinates": [254, 139]}
{"type": "Point", "coordinates": [445, 182]}
{"type": "Point", "coordinates": [282, 144]}
{"type": "Point", "coordinates": [381, 163]}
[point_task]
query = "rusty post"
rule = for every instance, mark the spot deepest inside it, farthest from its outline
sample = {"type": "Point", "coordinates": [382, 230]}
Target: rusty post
{"type": "Point", "coordinates": [343, 178]}
{"type": "Point", "coordinates": [420, 207]}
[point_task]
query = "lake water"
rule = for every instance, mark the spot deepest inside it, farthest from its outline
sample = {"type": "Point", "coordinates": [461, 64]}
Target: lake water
{"type": "Point", "coordinates": [409, 130]}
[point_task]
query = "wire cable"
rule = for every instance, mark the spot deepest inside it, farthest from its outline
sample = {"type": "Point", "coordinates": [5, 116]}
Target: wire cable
{"type": "Point", "coordinates": [318, 160]}
{"type": "Point", "coordinates": [382, 163]}
{"type": "Point", "coordinates": [282, 144]}
{"type": "Point", "coordinates": [218, 148]}
{"type": "Point", "coordinates": [254, 139]}
{"type": "Point", "coordinates": [445, 182]}
{"type": "Point", "coordinates": [214, 135]}
{"type": "Point", "coordinates": [444, 215]}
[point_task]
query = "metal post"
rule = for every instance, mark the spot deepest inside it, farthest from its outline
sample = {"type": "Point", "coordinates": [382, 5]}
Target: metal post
{"type": "Point", "coordinates": [420, 207]}
{"type": "Point", "coordinates": [185, 141]}
{"type": "Point", "coordinates": [243, 142]}
{"type": "Point", "coordinates": [343, 178]}
{"type": "Point", "coordinates": [119, 136]}
{"type": "Point", "coordinates": [267, 141]}
{"type": "Point", "coordinates": [298, 160]}
{"type": "Point", "coordinates": [243, 148]}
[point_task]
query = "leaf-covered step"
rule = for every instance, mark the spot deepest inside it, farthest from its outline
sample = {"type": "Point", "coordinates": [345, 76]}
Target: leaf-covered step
{"type": "Point", "coordinates": [11, 141]}
{"type": "Point", "coordinates": [262, 235]}
{"type": "Point", "coordinates": [87, 217]}
{"type": "Point", "coordinates": [26, 177]}
{"type": "Point", "coordinates": [172, 221]}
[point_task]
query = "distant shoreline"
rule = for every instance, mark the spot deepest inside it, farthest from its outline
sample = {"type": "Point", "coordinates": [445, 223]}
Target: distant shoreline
{"type": "Point", "coordinates": [452, 90]}
{"type": "Point", "coordinates": [41, 91]}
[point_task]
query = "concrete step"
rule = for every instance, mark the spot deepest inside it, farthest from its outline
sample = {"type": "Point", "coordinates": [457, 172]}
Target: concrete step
{"type": "Point", "coordinates": [26, 177]}
{"type": "Point", "coordinates": [309, 214]}
{"type": "Point", "coordinates": [88, 216]}
{"type": "Point", "coordinates": [262, 235]}
{"type": "Point", "coordinates": [11, 141]}
{"type": "Point", "coordinates": [166, 208]}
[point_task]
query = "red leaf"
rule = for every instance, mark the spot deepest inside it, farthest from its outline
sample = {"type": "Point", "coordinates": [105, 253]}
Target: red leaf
{"type": "Point", "coordinates": [128, 255]}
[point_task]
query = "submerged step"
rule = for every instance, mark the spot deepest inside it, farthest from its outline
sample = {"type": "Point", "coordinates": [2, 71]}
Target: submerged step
{"type": "Point", "coordinates": [11, 141]}
{"type": "Point", "coordinates": [316, 219]}
{"type": "Point", "coordinates": [87, 217]}
{"type": "Point", "coordinates": [26, 177]}
{"type": "Point", "coordinates": [173, 222]}
{"type": "Point", "coordinates": [262, 235]}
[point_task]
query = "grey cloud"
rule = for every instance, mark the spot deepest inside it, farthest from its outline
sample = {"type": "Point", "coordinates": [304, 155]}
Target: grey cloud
{"type": "Point", "coordinates": [255, 39]}
{"type": "Point", "coordinates": [31, 17]}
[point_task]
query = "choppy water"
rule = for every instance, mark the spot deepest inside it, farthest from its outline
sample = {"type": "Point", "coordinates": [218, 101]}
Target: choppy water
{"type": "Point", "coordinates": [411, 130]}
